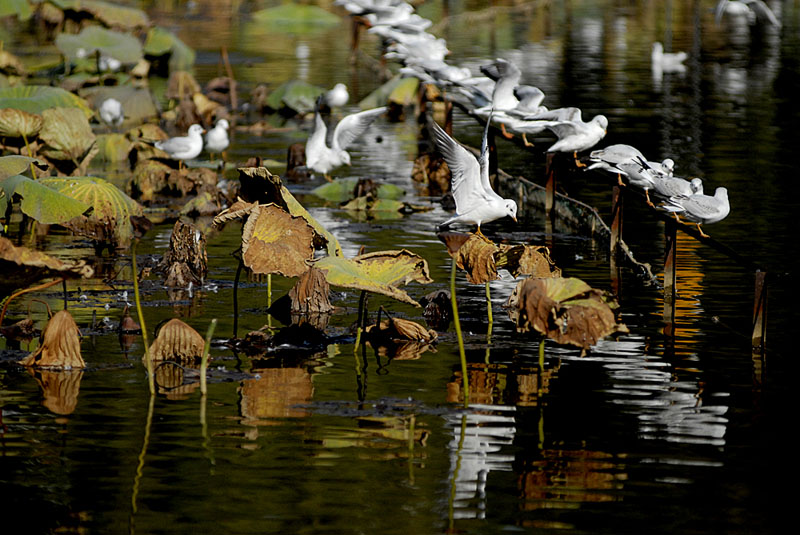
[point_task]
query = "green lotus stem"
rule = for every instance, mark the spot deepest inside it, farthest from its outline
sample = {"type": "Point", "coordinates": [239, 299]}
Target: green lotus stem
{"type": "Point", "coordinates": [30, 154]}
{"type": "Point", "coordinates": [204, 358]}
{"type": "Point", "coordinates": [489, 313]}
{"type": "Point", "coordinates": [541, 358]}
{"type": "Point", "coordinates": [148, 361]}
{"type": "Point", "coordinates": [269, 299]}
{"type": "Point", "coordinates": [457, 324]}
{"type": "Point", "coordinates": [361, 306]}
{"type": "Point", "coordinates": [236, 299]}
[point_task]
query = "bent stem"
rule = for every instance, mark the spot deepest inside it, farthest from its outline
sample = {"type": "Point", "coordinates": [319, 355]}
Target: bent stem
{"type": "Point", "coordinates": [148, 361]}
{"type": "Point", "coordinates": [457, 324]}
{"type": "Point", "coordinates": [489, 313]}
{"type": "Point", "coordinates": [361, 313]}
{"type": "Point", "coordinates": [17, 294]}
{"type": "Point", "coordinates": [140, 465]}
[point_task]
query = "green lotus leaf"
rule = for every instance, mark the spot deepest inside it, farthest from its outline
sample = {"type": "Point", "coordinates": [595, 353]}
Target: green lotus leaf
{"type": "Point", "coordinates": [379, 208]}
{"type": "Point", "coordinates": [37, 98]}
{"type": "Point", "coordinates": [296, 95]}
{"type": "Point", "coordinates": [381, 272]}
{"type": "Point", "coordinates": [398, 90]}
{"type": "Point", "coordinates": [295, 18]}
{"type": "Point", "coordinates": [18, 123]}
{"type": "Point", "coordinates": [161, 42]}
{"type": "Point", "coordinates": [121, 46]}
{"type": "Point", "coordinates": [41, 202]}
{"type": "Point", "coordinates": [21, 8]}
{"type": "Point", "coordinates": [110, 14]}
{"type": "Point", "coordinates": [341, 189]}
{"type": "Point", "coordinates": [16, 165]}
{"type": "Point", "coordinates": [66, 133]}
{"type": "Point", "coordinates": [112, 208]}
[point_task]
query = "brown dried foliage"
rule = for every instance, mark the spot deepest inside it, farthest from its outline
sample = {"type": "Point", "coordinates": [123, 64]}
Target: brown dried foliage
{"type": "Point", "coordinates": [60, 346]}
{"type": "Point", "coordinates": [177, 341]}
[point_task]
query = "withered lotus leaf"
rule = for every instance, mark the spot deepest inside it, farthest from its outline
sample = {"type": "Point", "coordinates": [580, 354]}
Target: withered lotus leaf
{"type": "Point", "coordinates": [453, 241]}
{"type": "Point", "coordinates": [381, 272]}
{"type": "Point", "coordinates": [18, 123]}
{"type": "Point", "coordinates": [310, 295]}
{"type": "Point", "coordinates": [399, 329]}
{"type": "Point", "coordinates": [177, 341]}
{"type": "Point", "coordinates": [185, 260]}
{"type": "Point", "coordinates": [66, 133]}
{"type": "Point", "coordinates": [274, 241]}
{"type": "Point", "coordinates": [61, 345]}
{"type": "Point", "coordinates": [239, 210]}
{"type": "Point", "coordinates": [531, 260]}
{"type": "Point", "coordinates": [566, 310]}
{"type": "Point", "coordinates": [21, 266]}
{"type": "Point", "coordinates": [476, 258]}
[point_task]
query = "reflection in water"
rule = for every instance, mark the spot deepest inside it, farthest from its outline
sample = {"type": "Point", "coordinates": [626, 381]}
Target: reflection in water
{"type": "Point", "coordinates": [60, 389]}
{"type": "Point", "coordinates": [274, 394]}
{"type": "Point", "coordinates": [475, 451]}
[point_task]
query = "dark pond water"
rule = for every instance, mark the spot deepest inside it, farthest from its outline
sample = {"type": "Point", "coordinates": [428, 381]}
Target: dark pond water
{"type": "Point", "coordinates": [644, 434]}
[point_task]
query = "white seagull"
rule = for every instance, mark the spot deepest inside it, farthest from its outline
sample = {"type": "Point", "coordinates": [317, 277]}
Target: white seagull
{"type": "Point", "coordinates": [752, 10]}
{"type": "Point", "coordinates": [337, 97]}
{"type": "Point", "coordinates": [111, 112]}
{"type": "Point", "coordinates": [700, 208]}
{"type": "Point", "coordinates": [184, 147]}
{"type": "Point", "coordinates": [322, 158]}
{"type": "Point", "coordinates": [576, 135]}
{"type": "Point", "coordinates": [217, 138]}
{"type": "Point", "coordinates": [476, 202]}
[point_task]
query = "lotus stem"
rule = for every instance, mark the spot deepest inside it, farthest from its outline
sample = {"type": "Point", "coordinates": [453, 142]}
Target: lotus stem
{"type": "Point", "coordinates": [489, 313]}
{"type": "Point", "coordinates": [148, 361]}
{"type": "Point", "coordinates": [140, 465]}
{"type": "Point", "coordinates": [236, 299]}
{"type": "Point", "coordinates": [457, 324]}
{"type": "Point", "coordinates": [541, 357]}
{"type": "Point", "coordinates": [269, 298]}
{"type": "Point", "coordinates": [362, 303]}
{"type": "Point", "coordinates": [204, 358]}
{"type": "Point", "coordinates": [30, 154]}
{"type": "Point", "coordinates": [32, 289]}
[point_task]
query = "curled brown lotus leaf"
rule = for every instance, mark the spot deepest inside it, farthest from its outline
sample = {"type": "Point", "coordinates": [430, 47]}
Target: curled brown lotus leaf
{"type": "Point", "coordinates": [60, 389]}
{"type": "Point", "coordinates": [177, 341]}
{"type": "Point", "coordinates": [476, 257]}
{"type": "Point", "coordinates": [60, 345]}
{"type": "Point", "coordinates": [432, 171]}
{"type": "Point", "coordinates": [310, 294]}
{"type": "Point", "coordinates": [67, 135]}
{"type": "Point", "coordinates": [18, 123]}
{"type": "Point", "coordinates": [185, 260]}
{"type": "Point", "coordinates": [566, 310]}
{"type": "Point", "coordinates": [437, 309]}
{"type": "Point", "coordinates": [453, 241]}
{"type": "Point", "coordinates": [22, 330]}
{"type": "Point", "coordinates": [10, 64]}
{"type": "Point", "coordinates": [149, 178]}
{"type": "Point", "coordinates": [275, 242]}
{"type": "Point", "coordinates": [20, 264]}
{"type": "Point", "coordinates": [239, 210]}
{"type": "Point", "coordinates": [398, 330]}
{"type": "Point", "coordinates": [530, 260]}
{"type": "Point", "coordinates": [182, 85]}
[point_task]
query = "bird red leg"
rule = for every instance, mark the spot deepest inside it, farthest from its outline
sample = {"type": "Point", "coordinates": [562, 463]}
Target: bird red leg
{"type": "Point", "coordinates": [619, 179]}
{"type": "Point", "coordinates": [703, 234]}
{"type": "Point", "coordinates": [526, 142]}
{"type": "Point", "coordinates": [505, 134]}
{"type": "Point", "coordinates": [577, 162]}
{"type": "Point", "coordinates": [479, 234]}
{"type": "Point", "coordinates": [647, 196]}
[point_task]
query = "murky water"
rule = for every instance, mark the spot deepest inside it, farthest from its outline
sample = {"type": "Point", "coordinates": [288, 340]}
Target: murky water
{"type": "Point", "coordinates": [645, 434]}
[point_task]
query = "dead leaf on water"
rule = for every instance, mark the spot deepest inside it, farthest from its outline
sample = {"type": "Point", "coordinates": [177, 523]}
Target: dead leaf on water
{"type": "Point", "coordinates": [275, 242]}
{"type": "Point", "coordinates": [476, 258]}
{"type": "Point", "coordinates": [310, 295]}
{"type": "Point", "coordinates": [566, 310]}
{"type": "Point", "coordinates": [177, 341]}
{"type": "Point", "coordinates": [60, 389]}
{"type": "Point", "coordinates": [185, 260]}
{"type": "Point", "coordinates": [398, 330]}
{"type": "Point", "coordinates": [60, 345]}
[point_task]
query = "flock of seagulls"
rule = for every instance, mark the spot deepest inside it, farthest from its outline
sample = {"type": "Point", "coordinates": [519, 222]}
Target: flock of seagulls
{"type": "Point", "coordinates": [498, 97]}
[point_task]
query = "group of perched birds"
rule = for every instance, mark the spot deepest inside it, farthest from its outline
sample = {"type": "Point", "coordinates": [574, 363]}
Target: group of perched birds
{"type": "Point", "coordinates": [496, 96]}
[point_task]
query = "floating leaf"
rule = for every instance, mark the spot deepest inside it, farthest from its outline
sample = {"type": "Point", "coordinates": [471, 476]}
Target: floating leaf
{"type": "Point", "coordinates": [40, 202]}
{"type": "Point", "coordinates": [341, 189]}
{"type": "Point", "coordinates": [21, 266]}
{"type": "Point", "coordinates": [531, 260]}
{"type": "Point", "coordinates": [259, 185]}
{"type": "Point", "coordinates": [21, 8]}
{"type": "Point", "coordinates": [38, 98]}
{"type": "Point", "coordinates": [67, 134]}
{"type": "Point", "coordinates": [380, 272]}
{"type": "Point", "coordinates": [295, 18]}
{"type": "Point", "coordinates": [381, 208]}
{"type": "Point", "coordinates": [121, 46]}
{"type": "Point", "coordinates": [61, 345]}
{"type": "Point", "coordinates": [398, 329]}
{"type": "Point", "coordinates": [398, 90]}
{"type": "Point", "coordinates": [299, 96]}
{"type": "Point", "coordinates": [175, 340]}
{"type": "Point", "coordinates": [161, 42]}
{"type": "Point", "coordinates": [112, 208]}
{"type": "Point", "coordinates": [275, 242]}
{"type": "Point", "coordinates": [110, 14]}
{"type": "Point", "coordinates": [476, 257]}
{"type": "Point", "coordinates": [567, 310]}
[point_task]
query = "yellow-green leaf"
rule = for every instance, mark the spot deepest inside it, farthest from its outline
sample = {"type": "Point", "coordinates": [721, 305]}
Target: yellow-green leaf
{"type": "Point", "coordinates": [66, 133]}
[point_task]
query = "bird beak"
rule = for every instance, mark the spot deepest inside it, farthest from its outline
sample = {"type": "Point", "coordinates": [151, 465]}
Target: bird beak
{"type": "Point", "coordinates": [514, 218]}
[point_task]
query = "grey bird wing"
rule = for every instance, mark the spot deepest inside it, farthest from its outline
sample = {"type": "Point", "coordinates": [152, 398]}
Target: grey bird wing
{"type": "Point", "coordinates": [175, 144]}
{"type": "Point", "coordinates": [559, 114]}
{"type": "Point", "coordinates": [353, 126]}
{"type": "Point", "coordinates": [501, 69]}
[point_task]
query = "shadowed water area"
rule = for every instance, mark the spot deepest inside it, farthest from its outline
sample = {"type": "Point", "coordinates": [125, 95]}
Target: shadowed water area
{"type": "Point", "coordinates": [643, 434]}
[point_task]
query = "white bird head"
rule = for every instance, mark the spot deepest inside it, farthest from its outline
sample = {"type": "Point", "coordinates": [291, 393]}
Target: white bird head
{"type": "Point", "coordinates": [668, 165]}
{"type": "Point", "coordinates": [223, 123]}
{"type": "Point", "coordinates": [195, 130]}
{"type": "Point", "coordinates": [345, 157]}
{"type": "Point", "coordinates": [602, 121]}
{"type": "Point", "coordinates": [697, 186]}
{"type": "Point", "coordinates": [511, 208]}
